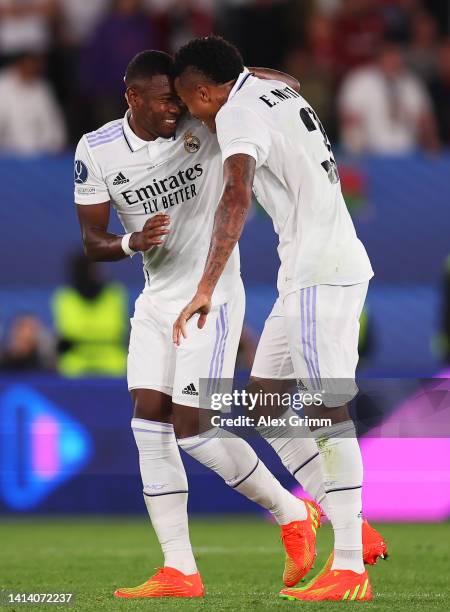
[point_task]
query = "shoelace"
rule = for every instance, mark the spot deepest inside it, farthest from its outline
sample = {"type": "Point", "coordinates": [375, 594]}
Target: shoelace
{"type": "Point", "coordinates": [290, 534]}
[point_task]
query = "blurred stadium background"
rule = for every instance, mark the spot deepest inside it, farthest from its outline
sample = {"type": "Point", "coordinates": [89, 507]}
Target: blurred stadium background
{"type": "Point", "coordinates": [378, 74]}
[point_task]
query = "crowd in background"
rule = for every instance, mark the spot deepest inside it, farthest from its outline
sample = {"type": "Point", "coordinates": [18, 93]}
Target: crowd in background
{"type": "Point", "coordinates": [376, 71]}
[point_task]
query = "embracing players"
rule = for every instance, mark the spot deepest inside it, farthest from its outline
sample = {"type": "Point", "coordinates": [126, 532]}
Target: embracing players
{"type": "Point", "coordinates": [162, 173]}
{"type": "Point", "coordinates": [272, 141]}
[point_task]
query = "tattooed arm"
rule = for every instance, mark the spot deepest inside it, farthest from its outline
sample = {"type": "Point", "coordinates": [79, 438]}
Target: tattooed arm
{"type": "Point", "coordinates": [229, 219]}
{"type": "Point", "coordinates": [229, 222]}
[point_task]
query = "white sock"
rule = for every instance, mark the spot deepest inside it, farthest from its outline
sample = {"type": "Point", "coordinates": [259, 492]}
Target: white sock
{"type": "Point", "coordinates": [342, 463]}
{"type": "Point", "coordinates": [165, 491]}
{"type": "Point", "coordinates": [237, 463]}
{"type": "Point", "coordinates": [300, 455]}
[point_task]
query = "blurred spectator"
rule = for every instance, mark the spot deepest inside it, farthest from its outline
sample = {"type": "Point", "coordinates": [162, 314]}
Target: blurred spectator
{"type": "Point", "coordinates": [78, 20]}
{"type": "Point", "coordinates": [29, 346]}
{"type": "Point", "coordinates": [125, 31]}
{"type": "Point", "coordinates": [315, 86]}
{"type": "Point", "coordinates": [180, 20]}
{"type": "Point", "coordinates": [440, 92]}
{"type": "Point", "coordinates": [75, 24]}
{"type": "Point", "coordinates": [25, 25]}
{"type": "Point", "coordinates": [322, 45]}
{"type": "Point", "coordinates": [384, 108]}
{"type": "Point", "coordinates": [422, 50]}
{"type": "Point", "coordinates": [91, 320]}
{"type": "Point", "coordinates": [31, 122]}
{"type": "Point", "coordinates": [359, 31]}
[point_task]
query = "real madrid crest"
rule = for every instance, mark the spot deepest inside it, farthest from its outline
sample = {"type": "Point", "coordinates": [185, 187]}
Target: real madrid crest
{"type": "Point", "coordinates": [191, 142]}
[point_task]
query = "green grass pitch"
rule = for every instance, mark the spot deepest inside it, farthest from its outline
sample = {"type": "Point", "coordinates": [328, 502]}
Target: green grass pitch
{"type": "Point", "coordinates": [240, 560]}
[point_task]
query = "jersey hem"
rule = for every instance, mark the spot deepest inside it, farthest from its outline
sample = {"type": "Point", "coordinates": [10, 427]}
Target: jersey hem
{"type": "Point", "coordinates": [331, 284]}
{"type": "Point", "coordinates": [271, 377]}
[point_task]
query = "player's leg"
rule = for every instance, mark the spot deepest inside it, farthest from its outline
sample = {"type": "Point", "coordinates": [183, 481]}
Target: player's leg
{"type": "Point", "coordinates": [210, 355]}
{"type": "Point", "coordinates": [205, 355]}
{"type": "Point", "coordinates": [165, 488]}
{"type": "Point", "coordinates": [322, 325]}
{"type": "Point", "coordinates": [164, 479]}
{"type": "Point", "coordinates": [235, 461]}
{"type": "Point", "coordinates": [272, 374]}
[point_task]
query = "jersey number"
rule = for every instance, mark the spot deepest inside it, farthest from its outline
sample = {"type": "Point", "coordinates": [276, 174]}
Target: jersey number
{"type": "Point", "coordinates": [311, 121]}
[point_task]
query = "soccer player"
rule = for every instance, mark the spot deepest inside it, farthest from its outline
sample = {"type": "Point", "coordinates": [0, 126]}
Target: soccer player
{"type": "Point", "coordinates": [272, 140]}
{"type": "Point", "coordinates": [161, 171]}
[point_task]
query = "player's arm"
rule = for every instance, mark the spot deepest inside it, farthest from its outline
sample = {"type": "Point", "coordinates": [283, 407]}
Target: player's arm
{"type": "Point", "coordinates": [276, 75]}
{"type": "Point", "coordinates": [101, 245]}
{"type": "Point", "coordinates": [92, 198]}
{"type": "Point", "coordinates": [229, 220]}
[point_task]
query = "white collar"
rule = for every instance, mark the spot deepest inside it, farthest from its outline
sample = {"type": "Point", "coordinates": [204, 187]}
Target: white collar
{"type": "Point", "coordinates": [134, 142]}
{"type": "Point", "coordinates": [242, 78]}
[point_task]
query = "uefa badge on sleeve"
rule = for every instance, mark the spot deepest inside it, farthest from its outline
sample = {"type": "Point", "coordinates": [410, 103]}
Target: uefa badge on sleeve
{"type": "Point", "coordinates": [191, 142]}
{"type": "Point", "coordinates": [80, 172]}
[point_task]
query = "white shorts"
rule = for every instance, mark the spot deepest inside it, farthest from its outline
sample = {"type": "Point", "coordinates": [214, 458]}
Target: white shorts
{"type": "Point", "coordinates": [154, 362]}
{"type": "Point", "coordinates": [312, 336]}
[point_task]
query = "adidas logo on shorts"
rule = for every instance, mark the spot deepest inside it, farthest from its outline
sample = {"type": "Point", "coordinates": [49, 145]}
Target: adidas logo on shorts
{"type": "Point", "coordinates": [120, 179]}
{"type": "Point", "coordinates": [190, 390]}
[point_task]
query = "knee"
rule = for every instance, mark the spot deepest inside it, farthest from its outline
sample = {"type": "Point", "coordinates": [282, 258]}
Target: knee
{"type": "Point", "coordinates": [190, 421]}
{"type": "Point", "coordinates": [151, 405]}
{"type": "Point", "coordinates": [185, 422]}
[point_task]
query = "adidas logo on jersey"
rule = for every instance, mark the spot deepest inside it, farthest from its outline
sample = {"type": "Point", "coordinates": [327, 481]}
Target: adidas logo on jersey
{"type": "Point", "coordinates": [120, 179]}
{"type": "Point", "coordinates": [190, 390]}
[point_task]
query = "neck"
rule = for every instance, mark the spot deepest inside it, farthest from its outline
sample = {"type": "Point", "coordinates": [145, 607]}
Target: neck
{"type": "Point", "coordinates": [223, 92]}
{"type": "Point", "coordinates": [139, 130]}
{"type": "Point", "coordinates": [226, 90]}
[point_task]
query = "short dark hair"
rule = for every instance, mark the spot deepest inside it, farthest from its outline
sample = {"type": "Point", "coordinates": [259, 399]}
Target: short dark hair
{"type": "Point", "coordinates": [148, 64]}
{"type": "Point", "coordinates": [215, 57]}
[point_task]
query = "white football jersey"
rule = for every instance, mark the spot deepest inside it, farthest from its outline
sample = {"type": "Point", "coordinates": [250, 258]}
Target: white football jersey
{"type": "Point", "coordinates": [180, 176]}
{"type": "Point", "coordinates": [296, 181]}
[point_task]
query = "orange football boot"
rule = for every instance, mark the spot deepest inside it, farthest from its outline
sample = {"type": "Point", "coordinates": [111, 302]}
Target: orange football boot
{"type": "Point", "coordinates": [167, 582]}
{"type": "Point", "coordinates": [374, 546]}
{"type": "Point", "coordinates": [333, 585]}
{"type": "Point", "coordinates": [299, 540]}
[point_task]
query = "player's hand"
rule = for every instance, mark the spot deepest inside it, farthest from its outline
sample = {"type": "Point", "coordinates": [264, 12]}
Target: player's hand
{"type": "Point", "coordinates": [200, 304]}
{"type": "Point", "coordinates": [152, 233]}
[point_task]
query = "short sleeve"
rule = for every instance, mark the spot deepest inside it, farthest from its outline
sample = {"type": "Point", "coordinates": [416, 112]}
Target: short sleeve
{"type": "Point", "coordinates": [240, 130]}
{"type": "Point", "coordinates": [90, 187]}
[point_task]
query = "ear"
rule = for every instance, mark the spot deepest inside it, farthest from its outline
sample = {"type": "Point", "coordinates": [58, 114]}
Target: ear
{"type": "Point", "coordinates": [131, 97]}
{"type": "Point", "coordinates": [205, 94]}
